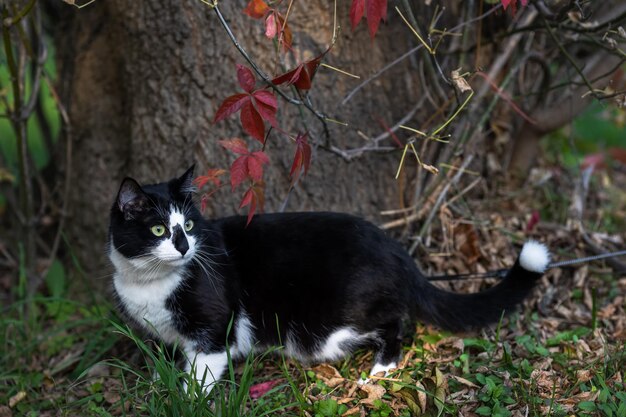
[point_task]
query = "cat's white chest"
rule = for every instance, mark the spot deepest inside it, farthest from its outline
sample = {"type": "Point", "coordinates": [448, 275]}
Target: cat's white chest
{"type": "Point", "coordinates": [146, 303]}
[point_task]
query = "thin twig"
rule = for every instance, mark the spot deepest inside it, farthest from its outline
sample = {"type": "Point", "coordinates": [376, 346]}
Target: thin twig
{"type": "Point", "coordinates": [569, 57]}
{"type": "Point", "coordinates": [407, 54]}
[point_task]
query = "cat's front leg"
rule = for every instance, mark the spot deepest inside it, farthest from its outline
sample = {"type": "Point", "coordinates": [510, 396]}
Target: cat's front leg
{"type": "Point", "coordinates": [206, 368]}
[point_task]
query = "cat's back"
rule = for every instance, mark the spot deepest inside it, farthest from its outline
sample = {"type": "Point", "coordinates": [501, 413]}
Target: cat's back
{"type": "Point", "coordinates": [313, 228]}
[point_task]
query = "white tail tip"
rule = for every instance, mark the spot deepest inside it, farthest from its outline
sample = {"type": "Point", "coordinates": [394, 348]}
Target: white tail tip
{"type": "Point", "coordinates": [535, 257]}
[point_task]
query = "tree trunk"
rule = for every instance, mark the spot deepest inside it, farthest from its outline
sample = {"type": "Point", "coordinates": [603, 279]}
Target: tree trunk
{"type": "Point", "coordinates": [142, 80]}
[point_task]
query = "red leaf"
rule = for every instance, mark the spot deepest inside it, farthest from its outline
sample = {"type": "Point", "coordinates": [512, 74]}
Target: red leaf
{"type": "Point", "coordinates": [618, 154]}
{"type": "Point", "coordinates": [211, 176]}
{"type": "Point", "coordinates": [203, 202]}
{"type": "Point", "coordinates": [594, 160]}
{"type": "Point", "coordinates": [276, 26]}
{"type": "Point", "coordinates": [301, 159]}
{"type": "Point", "coordinates": [256, 161]}
{"type": "Point", "coordinates": [286, 37]}
{"type": "Point", "coordinates": [288, 76]}
{"type": "Point", "coordinates": [254, 197]}
{"type": "Point", "coordinates": [302, 75]}
{"type": "Point", "coordinates": [266, 105]}
{"type": "Point", "coordinates": [301, 78]}
{"type": "Point", "coordinates": [267, 97]}
{"type": "Point", "coordinates": [258, 390]}
{"type": "Point", "coordinates": [246, 78]}
{"type": "Point", "coordinates": [248, 166]}
{"type": "Point", "coordinates": [513, 4]}
{"type": "Point", "coordinates": [238, 171]}
{"type": "Point", "coordinates": [356, 12]}
{"type": "Point", "coordinates": [236, 145]}
{"type": "Point", "coordinates": [261, 156]}
{"type": "Point", "coordinates": [271, 26]}
{"type": "Point", "coordinates": [231, 105]}
{"type": "Point", "coordinates": [376, 10]}
{"type": "Point", "coordinates": [532, 222]}
{"type": "Point", "coordinates": [252, 122]}
{"type": "Point", "coordinates": [256, 9]}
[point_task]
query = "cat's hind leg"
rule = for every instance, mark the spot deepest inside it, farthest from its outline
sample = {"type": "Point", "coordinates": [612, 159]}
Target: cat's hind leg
{"type": "Point", "coordinates": [388, 352]}
{"type": "Point", "coordinates": [206, 368]}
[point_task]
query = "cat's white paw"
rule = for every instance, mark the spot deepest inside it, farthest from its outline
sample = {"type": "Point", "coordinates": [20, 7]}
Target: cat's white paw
{"type": "Point", "coordinates": [377, 368]}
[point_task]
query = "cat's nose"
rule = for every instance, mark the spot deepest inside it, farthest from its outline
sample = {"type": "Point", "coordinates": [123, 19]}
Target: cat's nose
{"type": "Point", "coordinates": [180, 240]}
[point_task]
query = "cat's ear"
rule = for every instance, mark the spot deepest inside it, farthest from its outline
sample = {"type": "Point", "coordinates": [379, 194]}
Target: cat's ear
{"type": "Point", "coordinates": [185, 183]}
{"type": "Point", "coordinates": [130, 198]}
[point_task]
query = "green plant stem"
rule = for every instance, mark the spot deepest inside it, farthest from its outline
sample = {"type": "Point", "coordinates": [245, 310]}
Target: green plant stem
{"type": "Point", "coordinates": [8, 21]}
{"type": "Point", "coordinates": [428, 57]}
{"type": "Point", "coordinates": [18, 122]}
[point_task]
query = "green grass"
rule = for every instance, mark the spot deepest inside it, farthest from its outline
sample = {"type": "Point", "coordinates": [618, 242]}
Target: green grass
{"type": "Point", "coordinates": [66, 358]}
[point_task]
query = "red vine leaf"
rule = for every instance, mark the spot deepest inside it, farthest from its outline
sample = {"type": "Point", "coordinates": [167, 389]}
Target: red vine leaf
{"type": "Point", "coordinates": [248, 166]}
{"type": "Point", "coordinates": [256, 9]}
{"type": "Point", "coordinates": [258, 390]}
{"type": "Point", "coordinates": [276, 26]}
{"type": "Point", "coordinates": [211, 176]}
{"type": "Point", "coordinates": [513, 4]}
{"type": "Point", "coordinates": [618, 154]}
{"type": "Point", "coordinates": [246, 78]}
{"type": "Point", "coordinates": [255, 106]}
{"type": "Point", "coordinates": [253, 197]}
{"type": "Point", "coordinates": [266, 105]}
{"type": "Point", "coordinates": [356, 12]}
{"type": "Point", "coordinates": [236, 145]}
{"type": "Point", "coordinates": [532, 222]}
{"type": "Point", "coordinates": [376, 11]}
{"type": "Point", "coordinates": [302, 75]}
{"type": "Point", "coordinates": [302, 158]}
{"type": "Point", "coordinates": [271, 26]}
{"type": "Point", "coordinates": [231, 105]}
{"type": "Point", "coordinates": [252, 122]}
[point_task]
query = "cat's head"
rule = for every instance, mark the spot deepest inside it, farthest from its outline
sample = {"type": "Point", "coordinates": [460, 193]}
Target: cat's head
{"type": "Point", "coordinates": [154, 227]}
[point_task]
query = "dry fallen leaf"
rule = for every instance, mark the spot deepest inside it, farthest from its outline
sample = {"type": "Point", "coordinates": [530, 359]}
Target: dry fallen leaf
{"type": "Point", "coordinates": [374, 392]}
{"type": "Point", "coordinates": [460, 82]}
{"type": "Point", "coordinates": [584, 375]}
{"type": "Point", "coordinates": [5, 411]}
{"type": "Point", "coordinates": [328, 374]}
{"type": "Point", "coordinates": [17, 398]}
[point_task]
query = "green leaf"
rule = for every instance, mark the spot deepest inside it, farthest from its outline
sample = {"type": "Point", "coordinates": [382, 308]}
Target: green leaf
{"type": "Point", "coordinates": [327, 408]}
{"type": "Point", "coordinates": [55, 279]}
{"type": "Point", "coordinates": [604, 395]}
{"type": "Point", "coordinates": [440, 392]}
{"type": "Point", "coordinates": [483, 344]}
{"type": "Point", "coordinates": [568, 335]}
{"type": "Point", "coordinates": [587, 405]}
{"type": "Point", "coordinates": [483, 411]}
{"type": "Point", "coordinates": [542, 351]}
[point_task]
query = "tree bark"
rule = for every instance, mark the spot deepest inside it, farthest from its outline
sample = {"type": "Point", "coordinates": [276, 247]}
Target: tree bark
{"type": "Point", "coordinates": [142, 80]}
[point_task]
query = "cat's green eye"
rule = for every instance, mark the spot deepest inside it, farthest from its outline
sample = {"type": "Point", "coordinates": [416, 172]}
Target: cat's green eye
{"type": "Point", "coordinates": [158, 230]}
{"type": "Point", "coordinates": [188, 225]}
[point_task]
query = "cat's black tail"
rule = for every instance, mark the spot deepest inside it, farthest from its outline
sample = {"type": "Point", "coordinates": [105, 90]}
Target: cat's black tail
{"type": "Point", "coordinates": [456, 312]}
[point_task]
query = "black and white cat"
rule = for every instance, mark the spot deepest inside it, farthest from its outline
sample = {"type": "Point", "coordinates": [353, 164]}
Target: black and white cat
{"type": "Point", "coordinates": [319, 284]}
